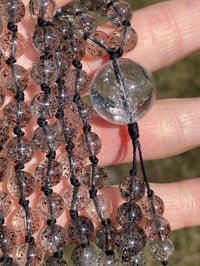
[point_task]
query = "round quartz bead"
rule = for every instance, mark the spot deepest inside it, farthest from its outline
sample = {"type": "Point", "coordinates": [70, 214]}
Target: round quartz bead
{"type": "Point", "coordinates": [69, 11]}
{"type": "Point", "coordinates": [51, 261]}
{"type": "Point", "coordinates": [22, 153]}
{"type": "Point", "coordinates": [63, 59]}
{"type": "Point", "coordinates": [36, 254]}
{"type": "Point", "coordinates": [104, 208]}
{"type": "Point", "coordinates": [9, 239]}
{"type": "Point", "coordinates": [146, 209]}
{"type": "Point", "coordinates": [48, 138]}
{"type": "Point", "coordinates": [54, 173]}
{"type": "Point", "coordinates": [63, 26]}
{"type": "Point", "coordinates": [108, 260]}
{"type": "Point", "coordinates": [2, 95]}
{"type": "Point", "coordinates": [82, 198]}
{"type": "Point", "coordinates": [77, 50]}
{"type": "Point", "coordinates": [93, 141]}
{"type": "Point", "coordinates": [86, 256]}
{"type": "Point", "coordinates": [128, 244]}
{"type": "Point", "coordinates": [68, 129]}
{"type": "Point", "coordinates": [4, 168]}
{"type": "Point", "coordinates": [48, 7]}
{"type": "Point", "coordinates": [136, 190]}
{"type": "Point", "coordinates": [154, 233]}
{"type": "Point", "coordinates": [4, 132]}
{"type": "Point", "coordinates": [7, 42]}
{"type": "Point", "coordinates": [27, 181]}
{"type": "Point", "coordinates": [137, 260]}
{"type": "Point", "coordinates": [57, 206]}
{"type": "Point", "coordinates": [21, 78]}
{"type": "Point", "coordinates": [84, 24]}
{"type": "Point", "coordinates": [128, 102]}
{"type": "Point", "coordinates": [129, 215]}
{"type": "Point", "coordinates": [77, 163]}
{"type": "Point", "coordinates": [52, 240]}
{"type": "Point", "coordinates": [14, 113]}
{"type": "Point", "coordinates": [19, 221]}
{"type": "Point", "coordinates": [77, 81]}
{"type": "Point", "coordinates": [100, 176]}
{"type": "Point", "coordinates": [95, 49]}
{"type": "Point", "coordinates": [105, 238]}
{"type": "Point", "coordinates": [12, 10]}
{"type": "Point", "coordinates": [125, 38]}
{"type": "Point", "coordinates": [84, 232]}
{"type": "Point", "coordinates": [45, 71]}
{"type": "Point", "coordinates": [161, 250]}
{"type": "Point", "coordinates": [46, 38]}
{"type": "Point", "coordinates": [119, 12]}
{"type": "Point", "coordinates": [42, 107]}
{"type": "Point", "coordinates": [5, 204]}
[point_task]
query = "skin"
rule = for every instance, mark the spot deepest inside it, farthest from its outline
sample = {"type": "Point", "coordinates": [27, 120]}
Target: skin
{"type": "Point", "coordinates": [168, 32]}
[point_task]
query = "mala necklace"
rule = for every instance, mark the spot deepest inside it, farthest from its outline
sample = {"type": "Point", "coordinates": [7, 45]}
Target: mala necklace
{"type": "Point", "coordinates": [57, 159]}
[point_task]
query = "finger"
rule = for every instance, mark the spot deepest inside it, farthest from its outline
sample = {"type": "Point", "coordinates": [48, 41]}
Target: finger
{"type": "Point", "coordinates": [181, 201]}
{"type": "Point", "coordinates": [171, 127]}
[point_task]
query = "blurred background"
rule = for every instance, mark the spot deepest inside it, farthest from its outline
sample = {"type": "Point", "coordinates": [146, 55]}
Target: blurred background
{"type": "Point", "coordinates": [179, 81]}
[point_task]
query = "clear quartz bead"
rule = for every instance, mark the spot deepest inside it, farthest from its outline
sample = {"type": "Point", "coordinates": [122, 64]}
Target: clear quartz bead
{"type": "Point", "coordinates": [54, 173]}
{"type": "Point", "coordinates": [22, 152]}
{"type": "Point", "coordinates": [119, 12]}
{"type": "Point", "coordinates": [136, 190]}
{"type": "Point", "coordinates": [84, 24]}
{"type": "Point", "coordinates": [7, 43]}
{"type": "Point", "coordinates": [12, 10]}
{"type": "Point", "coordinates": [48, 7]}
{"type": "Point", "coordinates": [4, 132]}
{"type": "Point", "coordinates": [4, 168]}
{"type": "Point", "coordinates": [161, 250]}
{"type": "Point", "coordinates": [57, 206]}
{"type": "Point", "coordinates": [21, 78]}
{"type": "Point", "coordinates": [86, 256]}
{"type": "Point", "coordinates": [104, 207]}
{"type": "Point", "coordinates": [5, 204]}
{"type": "Point", "coordinates": [27, 181]}
{"type": "Point", "coordinates": [17, 113]}
{"type": "Point", "coordinates": [129, 215]}
{"type": "Point", "coordinates": [82, 198]}
{"type": "Point", "coordinates": [95, 49]}
{"type": "Point", "coordinates": [9, 239]}
{"type": "Point", "coordinates": [84, 232]}
{"type": "Point", "coordinates": [36, 254]}
{"type": "Point", "coordinates": [162, 230]}
{"type": "Point", "coordinates": [124, 101]}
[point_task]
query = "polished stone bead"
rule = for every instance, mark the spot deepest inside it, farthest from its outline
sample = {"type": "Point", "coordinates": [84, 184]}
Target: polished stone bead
{"type": "Point", "coordinates": [12, 10]}
{"type": "Point", "coordinates": [7, 43]}
{"type": "Point", "coordinates": [27, 181]}
{"type": "Point", "coordinates": [105, 208]}
{"type": "Point", "coordinates": [54, 172]}
{"type": "Point", "coordinates": [35, 252]}
{"type": "Point", "coordinates": [135, 189]}
{"type": "Point", "coordinates": [23, 152]}
{"type": "Point", "coordinates": [161, 250]}
{"type": "Point", "coordinates": [105, 238]}
{"type": "Point", "coordinates": [137, 260]}
{"type": "Point", "coordinates": [17, 113]}
{"type": "Point", "coordinates": [84, 24]}
{"type": "Point", "coordinates": [5, 203]}
{"type": "Point", "coordinates": [46, 38]}
{"type": "Point", "coordinates": [129, 215]}
{"type": "Point", "coordinates": [125, 38]}
{"type": "Point", "coordinates": [95, 49]}
{"type": "Point", "coordinates": [52, 239]}
{"type": "Point", "coordinates": [9, 239]}
{"type": "Point", "coordinates": [86, 256]}
{"type": "Point", "coordinates": [56, 203]}
{"type": "Point", "coordinates": [42, 107]}
{"type": "Point", "coordinates": [119, 12]}
{"type": "Point", "coordinates": [8, 81]}
{"type": "Point", "coordinates": [4, 132]}
{"type": "Point", "coordinates": [51, 261]}
{"type": "Point", "coordinates": [125, 98]}
{"type": "Point", "coordinates": [84, 232]}
{"type": "Point", "coordinates": [100, 176]}
{"type": "Point", "coordinates": [4, 168]}
{"type": "Point", "coordinates": [50, 137]}
{"type": "Point", "coordinates": [146, 209]}
{"type": "Point", "coordinates": [93, 141]}
{"type": "Point", "coordinates": [153, 232]}
{"type": "Point", "coordinates": [48, 6]}
{"type": "Point", "coordinates": [82, 198]}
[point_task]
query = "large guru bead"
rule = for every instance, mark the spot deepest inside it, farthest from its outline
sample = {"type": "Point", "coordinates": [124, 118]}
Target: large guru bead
{"type": "Point", "coordinates": [122, 92]}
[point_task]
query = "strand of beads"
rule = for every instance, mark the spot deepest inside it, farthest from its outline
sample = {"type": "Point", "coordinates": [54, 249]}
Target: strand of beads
{"type": "Point", "coordinates": [17, 114]}
{"type": "Point", "coordinates": [47, 138]}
